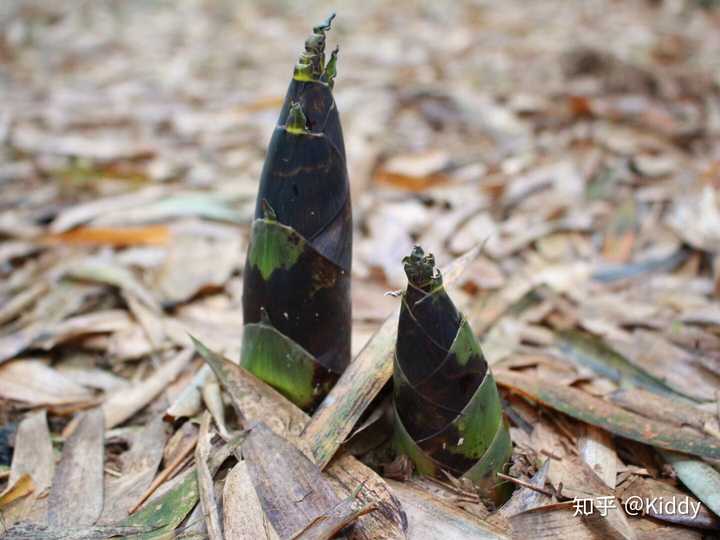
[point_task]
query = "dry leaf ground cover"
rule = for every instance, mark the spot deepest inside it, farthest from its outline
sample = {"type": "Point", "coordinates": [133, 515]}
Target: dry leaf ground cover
{"type": "Point", "coordinates": [577, 142]}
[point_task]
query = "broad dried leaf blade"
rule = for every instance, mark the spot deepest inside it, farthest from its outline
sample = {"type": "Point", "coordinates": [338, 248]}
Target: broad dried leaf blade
{"type": "Point", "coordinates": [291, 489]}
{"type": "Point", "coordinates": [76, 495]}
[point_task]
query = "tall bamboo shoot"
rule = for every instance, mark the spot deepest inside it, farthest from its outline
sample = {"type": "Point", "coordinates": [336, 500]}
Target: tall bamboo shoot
{"type": "Point", "coordinates": [296, 290]}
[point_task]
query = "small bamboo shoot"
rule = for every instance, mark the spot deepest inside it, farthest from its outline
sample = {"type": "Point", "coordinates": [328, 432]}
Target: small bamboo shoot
{"type": "Point", "coordinates": [447, 408]}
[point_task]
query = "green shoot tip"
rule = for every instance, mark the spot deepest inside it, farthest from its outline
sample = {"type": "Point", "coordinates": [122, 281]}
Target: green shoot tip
{"type": "Point", "coordinates": [296, 120]}
{"type": "Point", "coordinates": [268, 211]}
{"type": "Point", "coordinates": [311, 64]}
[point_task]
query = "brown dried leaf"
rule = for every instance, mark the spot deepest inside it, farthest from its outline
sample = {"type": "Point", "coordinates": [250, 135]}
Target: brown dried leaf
{"type": "Point", "coordinates": [35, 383]}
{"type": "Point", "coordinates": [243, 516]}
{"type": "Point", "coordinates": [291, 489]}
{"type": "Point", "coordinates": [76, 495]}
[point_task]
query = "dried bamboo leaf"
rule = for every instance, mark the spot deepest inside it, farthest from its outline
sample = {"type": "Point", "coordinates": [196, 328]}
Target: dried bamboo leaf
{"type": "Point", "coordinates": [243, 517]}
{"type": "Point", "coordinates": [22, 486]}
{"type": "Point", "coordinates": [21, 502]}
{"type": "Point", "coordinates": [62, 300]}
{"type": "Point", "coordinates": [661, 408]}
{"type": "Point", "coordinates": [680, 369]}
{"type": "Point", "coordinates": [592, 352]}
{"type": "Point", "coordinates": [151, 321]}
{"type": "Point", "coordinates": [126, 402]}
{"type": "Point", "coordinates": [76, 495]}
{"type": "Point", "coordinates": [484, 314]}
{"type": "Point", "coordinates": [104, 271]}
{"type": "Point", "coordinates": [98, 322]}
{"type": "Point", "coordinates": [329, 524]}
{"type": "Point", "coordinates": [526, 498]}
{"type": "Point", "coordinates": [31, 531]}
{"type": "Point", "coordinates": [699, 477]}
{"type": "Point", "coordinates": [598, 451]}
{"type": "Point", "coordinates": [35, 383]}
{"type": "Point", "coordinates": [631, 270]}
{"type": "Point", "coordinates": [256, 401]}
{"type": "Point", "coordinates": [696, 218]}
{"type": "Point", "coordinates": [81, 213]}
{"type": "Point", "coordinates": [32, 139]}
{"type": "Point", "coordinates": [430, 518]}
{"type": "Point", "coordinates": [554, 521]}
{"type": "Point", "coordinates": [694, 514]}
{"type": "Point", "coordinates": [33, 456]}
{"type": "Point", "coordinates": [205, 481]}
{"type": "Point", "coordinates": [22, 300]}
{"type": "Point", "coordinates": [204, 205]}
{"type": "Point", "coordinates": [189, 401]}
{"type": "Point", "coordinates": [138, 467]}
{"type": "Point", "coordinates": [212, 397]}
{"type": "Point", "coordinates": [291, 489]}
{"type": "Point", "coordinates": [33, 452]}
{"type": "Point", "coordinates": [196, 262]}
{"type": "Point", "coordinates": [92, 377]}
{"type": "Point", "coordinates": [607, 416]}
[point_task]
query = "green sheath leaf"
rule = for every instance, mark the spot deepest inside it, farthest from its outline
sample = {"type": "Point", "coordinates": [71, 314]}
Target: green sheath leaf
{"type": "Point", "coordinates": [282, 363]}
{"type": "Point", "coordinates": [301, 294]}
{"type": "Point", "coordinates": [164, 515]}
{"type": "Point", "coordinates": [482, 473]}
{"type": "Point", "coordinates": [405, 444]}
{"type": "Point", "coordinates": [468, 437]}
{"type": "Point", "coordinates": [274, 246]}
{"type": "Point", "coordinates": [479, 422]}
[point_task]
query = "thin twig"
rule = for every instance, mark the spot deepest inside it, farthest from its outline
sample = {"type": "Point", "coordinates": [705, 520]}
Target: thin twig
{"type": "Point", "coordinates": [205, 480]}
{"type": "Point", "coordinates": [550, 454]}
{"type": "Point", "coordinates": [525, 484]}
{"type": "Point", "coordinates": [166, 473]}
{"type": "Point", "coordinates": [450, 487]}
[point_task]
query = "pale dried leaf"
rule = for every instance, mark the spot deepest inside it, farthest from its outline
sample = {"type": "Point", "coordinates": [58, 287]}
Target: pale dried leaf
{"type": "Point", "coordinates": [76, 495]}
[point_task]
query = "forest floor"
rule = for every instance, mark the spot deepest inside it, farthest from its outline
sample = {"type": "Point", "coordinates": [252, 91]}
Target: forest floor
{"type": "Point", "coordinates": [577, 142]}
